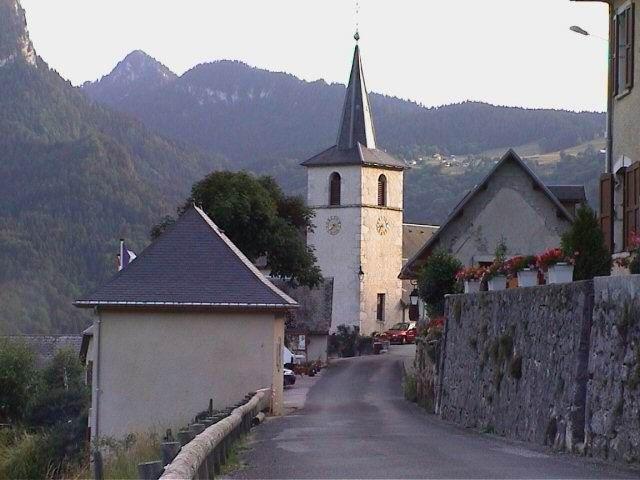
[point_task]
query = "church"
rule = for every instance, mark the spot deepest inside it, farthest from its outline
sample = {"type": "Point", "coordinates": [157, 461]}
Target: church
{"type": "Point", "coordinates": [356, 190]}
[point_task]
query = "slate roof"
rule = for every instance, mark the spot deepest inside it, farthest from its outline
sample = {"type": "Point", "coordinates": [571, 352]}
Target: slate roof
{"type": "Point", "coordinates": [569, 193]}
{"type": "Point", "coordinates": [316, 306]}
{"type": "Point", "coordinates": [356, 142]}
{"type": "Point", "coordinates": [410, 268]}
{"type": "Point", "coordinates": [192, 264]}
{"type": "Point", "coordinates": [414, 236]}
{"type": "Point", "coordinates": [45, 347]}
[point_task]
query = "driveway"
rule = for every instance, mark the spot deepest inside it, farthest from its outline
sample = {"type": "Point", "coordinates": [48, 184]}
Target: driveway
{"type": "Point", "coordinates": [355, 423]}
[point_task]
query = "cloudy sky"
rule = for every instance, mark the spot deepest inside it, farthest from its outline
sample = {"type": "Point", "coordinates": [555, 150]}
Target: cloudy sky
{"type": "Point", "coordinates": [507, 52]}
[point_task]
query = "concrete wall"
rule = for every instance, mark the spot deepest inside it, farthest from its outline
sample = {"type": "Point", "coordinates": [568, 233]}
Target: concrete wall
{"type": "Point", "coordinates": [556, 365]}
{"type": "Point", "coordinates": [613, 389]}
{"type": "Point", "coordinates": [626, 130]}
{"type": "Point", "coordinates": [533, 225]}
{"type": "Point", "coordinates": [317, 347]}
{"type": "Point", "coordinates": [158, 369]}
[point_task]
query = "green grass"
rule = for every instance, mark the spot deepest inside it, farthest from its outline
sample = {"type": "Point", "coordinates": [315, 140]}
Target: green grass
{"type": "Point", "coordinates": [234, 459]}
{"type": "Point", "coordinates": [122, 457]}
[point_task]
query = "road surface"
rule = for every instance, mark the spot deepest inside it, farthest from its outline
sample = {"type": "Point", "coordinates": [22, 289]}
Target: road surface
{"type": "Point", "coordinates": [355, 423]}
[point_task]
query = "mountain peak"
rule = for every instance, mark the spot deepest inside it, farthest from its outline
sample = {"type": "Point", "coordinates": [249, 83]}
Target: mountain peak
{"type": "Point", "coordinates": [138, 66]}
{"type": "Point", "coordinates": [15, 43]}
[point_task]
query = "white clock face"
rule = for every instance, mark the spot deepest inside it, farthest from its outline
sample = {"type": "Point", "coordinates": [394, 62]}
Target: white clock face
{"type": "Point", "coordinates": [333, 225]}
{"type": "Point", "coordinates": [382, 226]}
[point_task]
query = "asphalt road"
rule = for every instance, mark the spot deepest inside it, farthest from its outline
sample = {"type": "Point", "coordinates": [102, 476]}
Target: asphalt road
{"type": "Point", "coordinates": [355, 423]}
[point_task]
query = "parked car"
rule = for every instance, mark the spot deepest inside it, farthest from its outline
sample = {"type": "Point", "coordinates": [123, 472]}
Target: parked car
{"type": "Point", "coordinates": [403, 332]}
{"type": "Point", "coordinates": [289, 377]}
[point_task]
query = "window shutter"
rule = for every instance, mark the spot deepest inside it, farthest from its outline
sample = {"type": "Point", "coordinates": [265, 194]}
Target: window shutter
{"type": "Point", "coordinates": [606, 209]}
{"type": "Point", "coordinates": [631, 201]}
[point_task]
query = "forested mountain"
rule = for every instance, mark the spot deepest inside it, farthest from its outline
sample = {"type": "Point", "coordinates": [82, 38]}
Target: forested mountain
{"type": "Point", "coordinates": [74, 177]}
{"type": "Point", "coordinates": [268, 122]}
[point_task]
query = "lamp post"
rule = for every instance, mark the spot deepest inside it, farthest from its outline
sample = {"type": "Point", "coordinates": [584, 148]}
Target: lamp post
{"type": "Point", "coordinates": [414, 296]}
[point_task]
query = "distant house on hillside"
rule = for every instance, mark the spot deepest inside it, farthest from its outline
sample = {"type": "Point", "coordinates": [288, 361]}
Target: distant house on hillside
{"type": "Point", "coordinates": [45, 347]}
{"type": "Point", "coordinates": [510, 204]}
{"type": "Point", "coordinates": [190, 319]}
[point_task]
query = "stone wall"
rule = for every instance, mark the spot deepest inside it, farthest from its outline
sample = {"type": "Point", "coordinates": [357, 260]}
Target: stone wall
{"type": "Point", "coordinates": [425, 370]}
{"type": "Point", "coordinates": [557, 365]}
{"type": "Point", "coordinates": [514, 362]}
{"type": "Point", "coordinates": [613, 389]}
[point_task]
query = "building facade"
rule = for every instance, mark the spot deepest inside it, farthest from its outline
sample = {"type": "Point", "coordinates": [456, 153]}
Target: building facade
{"type": "Point", "coordinates": [189, 320]}
{"type": "Point", "coordinates": [511, 206]}
{"type": "Point", "coordinates": [356, 191]}
{"type": "Point", "coordinates": [620, 182]}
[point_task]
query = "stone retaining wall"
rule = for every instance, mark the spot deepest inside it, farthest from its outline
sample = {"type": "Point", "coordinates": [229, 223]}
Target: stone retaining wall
{"type": "Point", "coordinates": [515, 361]}
{"type": "Point", "coordinates": [557, 365]}
{"type": "Point", "coordinates": [613, 389]}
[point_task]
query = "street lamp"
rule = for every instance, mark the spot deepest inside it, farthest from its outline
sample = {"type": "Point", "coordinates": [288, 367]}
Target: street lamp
{"type": "Point", "coordinates": [581, 31]}
{"type": "Point", "coordinates": [414, 296]}
{"type": "Point", "coordinates": [361, 274]}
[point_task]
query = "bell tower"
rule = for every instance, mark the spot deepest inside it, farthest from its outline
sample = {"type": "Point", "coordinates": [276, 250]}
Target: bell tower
{"type": "Point", "coordinates": [356, 191]}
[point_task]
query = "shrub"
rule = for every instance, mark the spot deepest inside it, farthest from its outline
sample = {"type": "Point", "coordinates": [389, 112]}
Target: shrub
{"type": "Point", "coordinates": [26, 455]}
{"type": "Point", "coordinates": [344, 341]}
{"type": "Point", "coordinates": [410, 387]}
{"type": "Point", "coordinates": [437, 279]}
{"type": "Point", "coordinates": [17, 379]}
{"type": "Point", "coordinates": [585, 241]}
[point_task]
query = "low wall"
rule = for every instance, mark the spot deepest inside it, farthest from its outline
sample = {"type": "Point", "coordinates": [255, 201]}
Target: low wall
{"type": "Point", "coordinates": [514, 362]}
{"type": "Point", "coordinates": [613, 389]}
{"type": "Point", "coordinates": [557, 365]}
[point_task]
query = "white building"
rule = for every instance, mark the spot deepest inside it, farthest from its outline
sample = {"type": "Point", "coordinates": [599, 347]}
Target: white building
{"type": "Point", "coordinates": [356, 191]}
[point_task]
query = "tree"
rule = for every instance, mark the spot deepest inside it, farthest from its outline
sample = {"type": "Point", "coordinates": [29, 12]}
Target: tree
{"type": "Point", "coordinates": [17, 379]}
{"type": "Point", "coordinates": [585, 240]}
{"type": "Point", "coordinates": [437, 279]}
{"type": "Point", "coordinates": [260, 220]}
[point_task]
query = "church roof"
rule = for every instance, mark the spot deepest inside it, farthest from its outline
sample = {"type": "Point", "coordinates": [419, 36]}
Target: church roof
{"type": "Point", "coordinates": [192, 264]}
{"type": "Point", "coordinates": [356, 142]}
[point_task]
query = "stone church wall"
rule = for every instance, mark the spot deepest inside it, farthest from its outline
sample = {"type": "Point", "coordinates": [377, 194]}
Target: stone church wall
{"type": "Point", "coordinates": [557, 365]}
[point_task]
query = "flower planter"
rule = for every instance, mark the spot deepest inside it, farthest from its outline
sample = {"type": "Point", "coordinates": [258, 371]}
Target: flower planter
{"type": "Point", "coordinates": [471, 286]}
{"type": "Point", "coordinates": [497, 283]}
{"type": "Point", "coordinates": [527, 278]}
{"type": "Point", "coordinates": [561, 273]}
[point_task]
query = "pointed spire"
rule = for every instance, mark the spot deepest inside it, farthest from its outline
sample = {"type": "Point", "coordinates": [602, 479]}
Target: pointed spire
{"type": "Point", "coordinates": [356, 125]}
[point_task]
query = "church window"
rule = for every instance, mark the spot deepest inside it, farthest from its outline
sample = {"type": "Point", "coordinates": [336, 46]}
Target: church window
{"type": "Point", "coordinates": [380, 308]}
{"type": "Point", "coordinates": [334, 189]}
{"type": "Point", "coordinates": [382, 191]}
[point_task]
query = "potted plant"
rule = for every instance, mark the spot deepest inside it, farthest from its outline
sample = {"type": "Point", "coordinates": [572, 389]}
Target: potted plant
{"type": "Point", "coordinates": [495, 276]}
{"type": "Point", "coordinates": [557, 264]}
{"type": "Point", "coordinates": [632, 262]}
{"type": "Point", "coordinates": [524, 269]}
{"type": "Point", "coordinates": [471, 277]}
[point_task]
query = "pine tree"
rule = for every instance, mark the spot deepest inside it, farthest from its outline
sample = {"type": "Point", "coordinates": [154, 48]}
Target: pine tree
{"type": "Point", "coordinates": [585, 240]}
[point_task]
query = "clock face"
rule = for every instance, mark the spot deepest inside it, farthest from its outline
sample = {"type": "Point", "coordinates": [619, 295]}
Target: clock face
{"type": "Point", "coordinates": [382, 226]}
{"type": "Point", "coordinates": [333, 225]}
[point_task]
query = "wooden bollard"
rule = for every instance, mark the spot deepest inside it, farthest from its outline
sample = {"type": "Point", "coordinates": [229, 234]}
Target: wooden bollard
{"type": "Point", "coordinates": [210, 406]}
{"type": "Point", "coordinates": [258, 419]}
{"type": "Point", "coordinates": [196, 428]}
{"type": "Point", "coordinates": [150, 470]}
{"type": "Point", "coordinates": [185, 436]}
{"type": "Point", "coordinates": [169, 452]}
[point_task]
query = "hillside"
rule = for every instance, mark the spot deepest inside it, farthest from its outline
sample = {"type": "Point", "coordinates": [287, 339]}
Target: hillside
{"type": "Point", "coordinates": [268, 122]}
{"type": "Point", "coordinates": [74, 177]}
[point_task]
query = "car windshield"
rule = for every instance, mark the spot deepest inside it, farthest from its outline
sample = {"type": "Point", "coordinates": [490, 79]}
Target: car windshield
{"type": "Point", "coordinates": [400, 326]}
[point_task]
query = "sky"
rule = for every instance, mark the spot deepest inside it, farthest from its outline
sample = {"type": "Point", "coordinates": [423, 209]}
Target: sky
{"type": "Point", "coordinates": [435, 52]}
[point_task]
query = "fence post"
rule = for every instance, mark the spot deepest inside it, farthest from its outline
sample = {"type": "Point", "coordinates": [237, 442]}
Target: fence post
{"type": "Point", "coordinates": [185, 436]}
{"type": "Point", "coordinates": [150, 470]}
{"type": "Point", "coordinates": [169, 452]}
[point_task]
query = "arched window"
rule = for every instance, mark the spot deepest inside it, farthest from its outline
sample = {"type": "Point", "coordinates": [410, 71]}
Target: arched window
{"type": "Point", "coordinates": [382, 191]}
{"type": "Point", "coordinates": [334, 189]}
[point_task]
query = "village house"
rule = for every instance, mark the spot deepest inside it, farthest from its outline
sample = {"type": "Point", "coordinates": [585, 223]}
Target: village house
{"type": "Point", "coordinates": [190, 319]}
{"type": "Point", "coordinates": [510, 205]}
{"type": "Point", "coordinates": [620, 182]}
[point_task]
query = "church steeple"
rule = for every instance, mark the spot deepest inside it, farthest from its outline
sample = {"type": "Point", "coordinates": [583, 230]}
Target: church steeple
{"type": "Point", "coordinates": [356, 125]}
